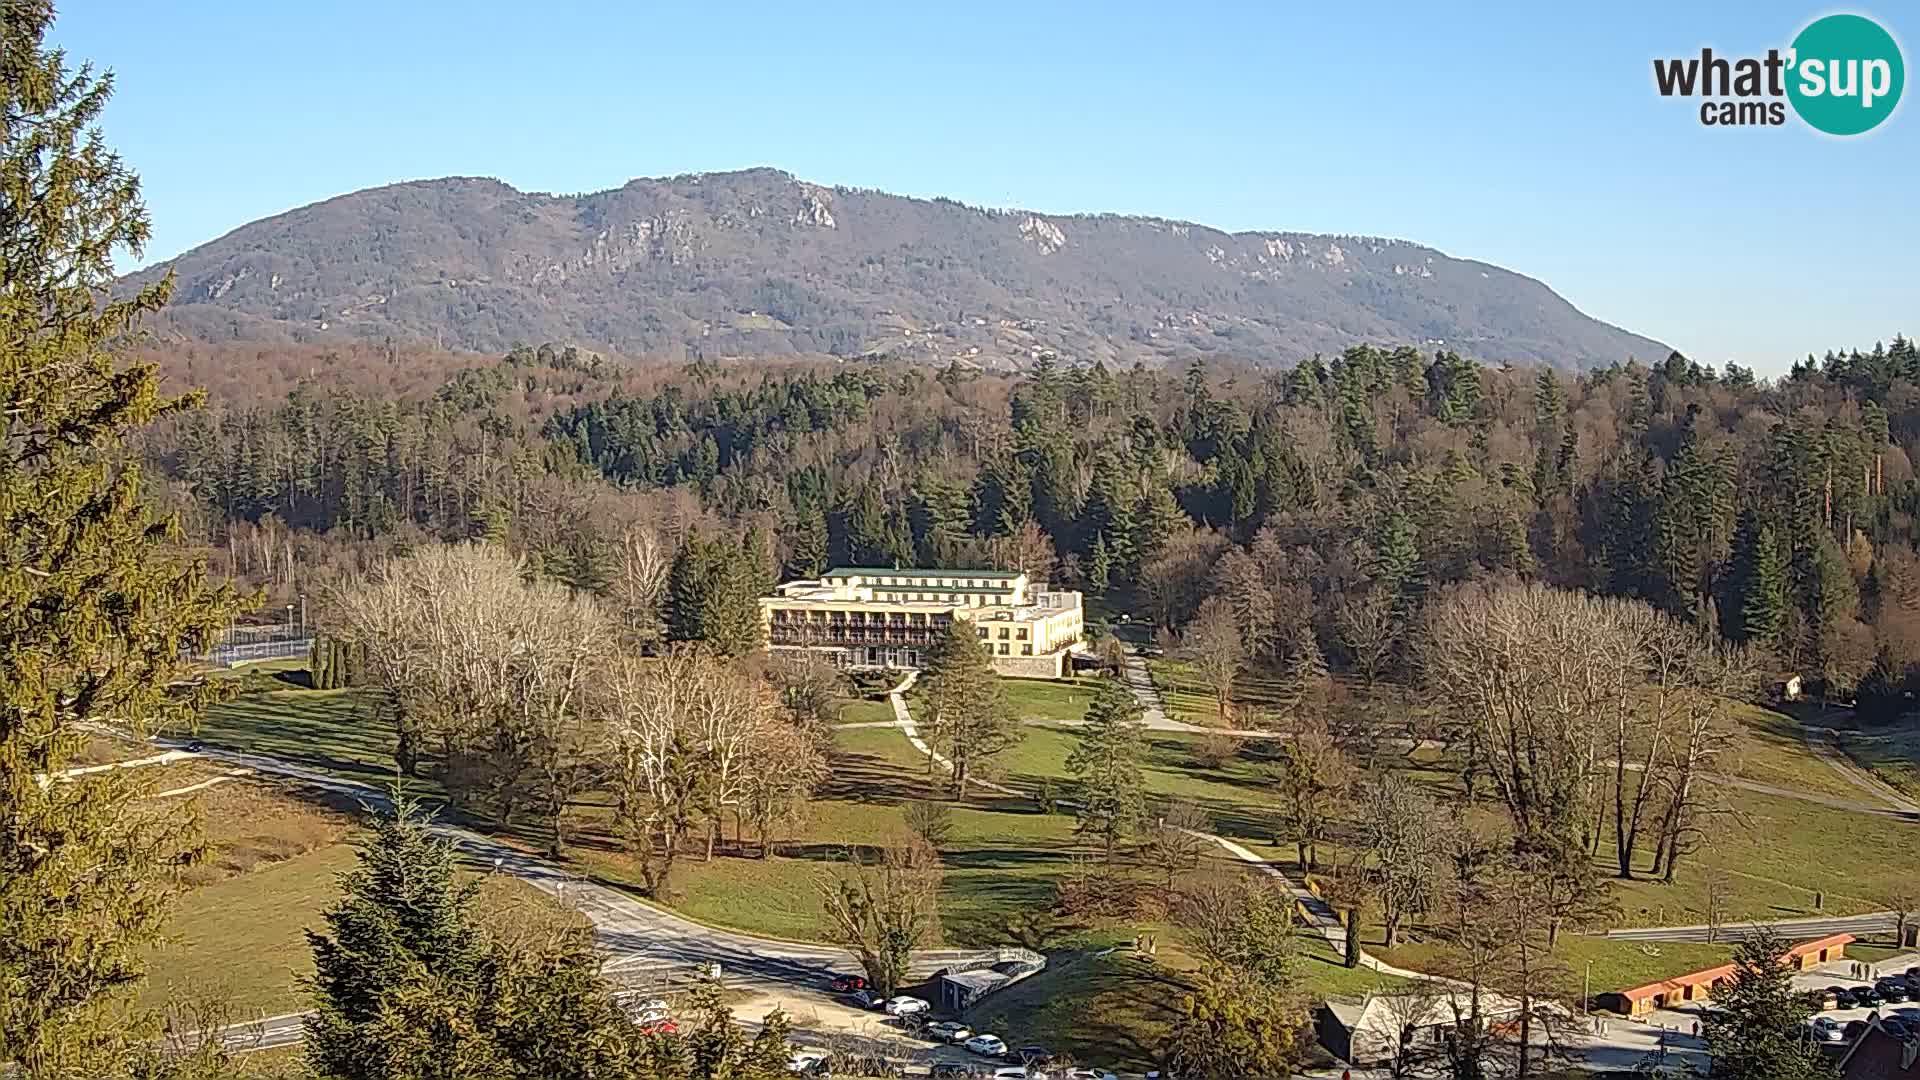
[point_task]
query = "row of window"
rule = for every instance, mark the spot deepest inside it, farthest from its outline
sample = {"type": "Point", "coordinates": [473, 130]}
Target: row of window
{"type": "Point", "coordinates": [950, 583]}
{"type": "Point", "coordinates": [964, 599]}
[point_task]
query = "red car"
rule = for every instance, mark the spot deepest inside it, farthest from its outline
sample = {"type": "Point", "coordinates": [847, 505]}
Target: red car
{"type": "Point", "coordinates": [847, 984]}
{"type": "Point", "coordinates": [659, 1027]}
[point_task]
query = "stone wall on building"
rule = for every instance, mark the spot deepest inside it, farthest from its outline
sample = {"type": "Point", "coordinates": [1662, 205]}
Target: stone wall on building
{"type": "Point", "coordinates": [1030, 667]}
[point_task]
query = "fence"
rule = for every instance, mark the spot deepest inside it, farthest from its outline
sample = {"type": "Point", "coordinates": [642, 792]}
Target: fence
{"type": "Point", "coordinates": [249, 644]}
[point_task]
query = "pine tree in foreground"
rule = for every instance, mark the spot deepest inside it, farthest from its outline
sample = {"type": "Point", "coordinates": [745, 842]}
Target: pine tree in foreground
{"type": "Point", "coordinates": [96, 615]}
{"type": "Point", "coordinates": [1753, 1032]}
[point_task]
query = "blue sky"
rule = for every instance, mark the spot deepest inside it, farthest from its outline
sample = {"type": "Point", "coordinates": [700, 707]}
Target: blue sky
{"type": "Point", "coordinates": [1527, 135]}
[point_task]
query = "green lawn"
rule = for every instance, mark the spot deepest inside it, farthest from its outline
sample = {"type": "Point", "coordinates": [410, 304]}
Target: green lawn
{"type": "Point", "coordinates": [243, 938]}
{"type": "Point", "coordinates": [1181, 692]}
{"type": "Point", "coordinates": [1048, 700]}
{"type": "Point", "coordinates": [332, 730]}
{"type": "Point", "coordinates": [240, 939]}
{"type": "Point", "coordinates": [1779, 853]}
{"type": "Point", "coordinates": [1891, 753]}
{"type": "Point", "coordinates": [1114, 1011]}
{"type": "Point", "coordinates": [864, 710]}
{"type": "Point", "coordinates": [1775, 752]}
{"type": "Point", "coordinates": [1617, 965]}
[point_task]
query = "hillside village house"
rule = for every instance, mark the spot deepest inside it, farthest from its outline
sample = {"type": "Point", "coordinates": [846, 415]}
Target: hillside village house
{"type": "Point", "coordinates": [868, 617]}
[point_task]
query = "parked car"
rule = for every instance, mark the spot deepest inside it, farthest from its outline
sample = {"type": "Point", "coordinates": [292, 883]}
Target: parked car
{"type": "Point", "coordinates": [1866, 997]}
{"type": "Point", "coordinates": [1842, 996]}
{"type": "Point", "coordinates": [987, 1046]}
{"type": "Point", "coordinates": [809, 1063]}
{"type": "Point", "coordinates": [949, 1031]}
{"type": "Point", "coordinates": [1017, 1072]}
{"type": "Point", "coordinates": [847, 984]}
{"type": "Point", "coordinates": [1088, 1074]}
{"type": "Point", "coordinates": [1825, 1029]}
{"type": "Point", "coordinates": [651, 1016]}
{"type": "Point", "coordinates": [865, 999]}
{"type": "Point", "coordinates": [1898, 1028]}
{"type": "Point", "coordinates": [1855, 1029]}
{"type": "Point", "coordinates": [1824, 1000]}
{"type": "Point", "coordinates": [1894, 990]}
{"type": "Point", "coordinates": [664, 1026]}
{"type": "Point", "coordinates": [1034, 1055]}
{"type": "Point", "coordinates": [905, 1005]}
{"type": "Point", "coordinates": [1910, 1015]}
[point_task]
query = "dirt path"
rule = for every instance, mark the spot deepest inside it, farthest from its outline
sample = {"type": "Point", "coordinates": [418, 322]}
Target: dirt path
{"type": "Point", "coordinates": [1821, 745]}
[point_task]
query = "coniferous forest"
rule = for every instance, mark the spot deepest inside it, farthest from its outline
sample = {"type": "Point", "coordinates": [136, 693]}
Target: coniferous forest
{"type": "Point", "coordinates": [1777, 512]}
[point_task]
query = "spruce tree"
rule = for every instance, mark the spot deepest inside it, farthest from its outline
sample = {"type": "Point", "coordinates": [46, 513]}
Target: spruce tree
{"type": "Point", "coordinates": [97, 615]}
{"type": "Point", "coordinates": [408, 985]}
{"type": "Point", "coordinates": [808, 556]}
{"type": "Point", "coordinates": [967, 714]}
{"type": "Point", "coordinates": [1753, 1031]}
{"type": "Point", "coordinates": [1758, 604]}
{"type": "Point", "coordinates": [402, 933]}
{"type": "Point", "coordinates": [1105, 765]}
{"type": "Point", "coordinates": [1099, 566]}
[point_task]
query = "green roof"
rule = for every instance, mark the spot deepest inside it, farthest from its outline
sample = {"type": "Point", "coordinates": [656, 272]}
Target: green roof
{"type": "Point", "coordinates": [888, 571]}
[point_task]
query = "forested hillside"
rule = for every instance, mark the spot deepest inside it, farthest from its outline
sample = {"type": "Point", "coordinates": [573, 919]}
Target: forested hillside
{"type": "Point", "coordinates": [1779, 513]}
{"type": "Point", "coordinates": [758, 263]}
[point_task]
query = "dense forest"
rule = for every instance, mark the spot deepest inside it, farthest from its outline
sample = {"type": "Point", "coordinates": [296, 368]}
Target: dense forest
{"type": "Point", "coordinates": [1341, 491]}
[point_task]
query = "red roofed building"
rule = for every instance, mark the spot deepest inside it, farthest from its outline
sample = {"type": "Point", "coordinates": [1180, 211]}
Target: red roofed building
{"type": "Point", "coordinates": [1698, 985]}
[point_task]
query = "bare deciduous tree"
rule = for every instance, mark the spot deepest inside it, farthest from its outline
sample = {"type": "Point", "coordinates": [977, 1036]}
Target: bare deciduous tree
{"type": "Point", "coordinates": [1313, 777]}
{"type": "Point", "coordinates": [1533, 670]}
{"type": "Point", "coordinates": [639, 585]}
{"type": "Point", "coordinates": [1212, 644]}
{"type": "Point", "coordinates": [1401, 829]}
{"type": "Point", "coordinates": [880, 909]}
{"type": "Point", "coordinates": [1177, 840]}
{"type": "Point", "coordinates": [493, 666]}
{"type": "Point", "coordinates": [1369, 628]}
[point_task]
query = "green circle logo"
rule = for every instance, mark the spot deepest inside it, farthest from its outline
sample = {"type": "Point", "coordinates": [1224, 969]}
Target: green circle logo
{"type": "Point", "coordinates": [1846, 74]}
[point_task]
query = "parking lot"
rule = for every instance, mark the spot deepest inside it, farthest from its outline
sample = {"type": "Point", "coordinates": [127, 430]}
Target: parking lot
{"type": "Point", "coordinates": [1902, 973]}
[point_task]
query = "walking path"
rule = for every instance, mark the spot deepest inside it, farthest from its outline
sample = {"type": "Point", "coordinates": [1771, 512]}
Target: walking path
{"type": "Point", "coordinates": [1822, 746]}
{"type": "Point", "coordinates": [1319, 914]}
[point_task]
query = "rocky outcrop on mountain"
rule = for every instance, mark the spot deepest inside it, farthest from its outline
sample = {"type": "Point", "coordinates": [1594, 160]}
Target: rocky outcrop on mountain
{"type": "Point", "coordinates": [757, 262]}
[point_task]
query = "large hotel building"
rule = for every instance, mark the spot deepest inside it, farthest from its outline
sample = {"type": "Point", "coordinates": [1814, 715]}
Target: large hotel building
{"type": "Point", "coordinates": [876, 618]}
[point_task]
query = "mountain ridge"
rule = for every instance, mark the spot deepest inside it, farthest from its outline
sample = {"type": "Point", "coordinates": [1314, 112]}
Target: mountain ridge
{"type": "Point", "coordinates": [758, 262]}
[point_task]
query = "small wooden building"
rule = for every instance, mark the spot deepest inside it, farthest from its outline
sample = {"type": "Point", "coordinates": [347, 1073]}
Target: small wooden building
{"type": "Point", "coordinates": [1698, 985]}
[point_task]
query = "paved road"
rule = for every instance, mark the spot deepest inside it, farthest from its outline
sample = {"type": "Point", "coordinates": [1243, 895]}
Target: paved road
{"type": "Point", "coordinates": [638, 939]}
{"type": "Point", "coordinates": [1794, 929]}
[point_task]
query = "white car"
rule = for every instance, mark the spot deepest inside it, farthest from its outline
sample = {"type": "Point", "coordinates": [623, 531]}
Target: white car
{"type": "Point", "coordinates": [905, 1005]}
{"type": "Point", "coordinates": [987, 1046]}
{"type": "Point", "coordinates": [1017, 1072]}
{"type": "Point", "coordinates": [1088, 1074]}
